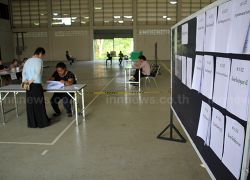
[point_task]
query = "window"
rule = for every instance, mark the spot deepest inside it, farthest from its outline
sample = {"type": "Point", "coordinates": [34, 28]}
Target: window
{"type": "Point", "coordinates": [26, 13]}
{"type": "Point", "coordinates": [4, 11]}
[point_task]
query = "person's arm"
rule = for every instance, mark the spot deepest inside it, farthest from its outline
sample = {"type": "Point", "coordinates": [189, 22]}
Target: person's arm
{"type": "Point", "coordinates": [69, 82]}
{"type": "Point", "coordinates": [52, 78]}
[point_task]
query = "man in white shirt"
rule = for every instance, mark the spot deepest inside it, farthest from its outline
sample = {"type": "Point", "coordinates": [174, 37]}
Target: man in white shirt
{"type": "Point", "coordinates": [143, 65]}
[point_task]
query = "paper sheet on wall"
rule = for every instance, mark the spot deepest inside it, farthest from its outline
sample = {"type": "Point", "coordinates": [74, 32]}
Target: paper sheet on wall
{"type": "Point", "coordinates": [222, 27]}
{"type": "Point", "coordinates": [175, 40]}
{"type": "Point", "coordinates": [233, 146]}
{"type": "Point", "coordinates": [198, 69]}
{"type": "Point", "coordinates": [184, 70]}
{"type": "Point", "coordinates": [211, 17]}
{"type": "Point", "coordinates": [178, 64]}
{"type": "Point", "coordinates": [239, 26]}
{"type": "Point", "coordinates": [200, 32]}
{"type": "Point", "coordinates": [204, 122]}
{"type": "Point", "coordinates": [217, 132]}
{"type": "Point", "coordinates": [247, 43]}
{"type": "Point", "coordinates": [189, 72]}
{"type": "Point", "coordinates": [239, 88]}
{"type": "Point", "coordinates": [184, 34]}
{"type": "Point", "coordinates": [207, 81]}
{"type": "Point", "coordinates": [221, 81]}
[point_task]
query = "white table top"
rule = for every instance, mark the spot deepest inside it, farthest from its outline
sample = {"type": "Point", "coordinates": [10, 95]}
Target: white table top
{"type": "Point", "coordinates": [18, 88]}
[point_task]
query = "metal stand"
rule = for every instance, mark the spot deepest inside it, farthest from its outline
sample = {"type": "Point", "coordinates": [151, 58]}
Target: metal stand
{"type": "Point", "coordinates": [172, 127]}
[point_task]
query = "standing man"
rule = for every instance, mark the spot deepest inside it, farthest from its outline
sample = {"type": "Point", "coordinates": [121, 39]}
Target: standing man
{"type": "Point", "coordinates": [67, 78]}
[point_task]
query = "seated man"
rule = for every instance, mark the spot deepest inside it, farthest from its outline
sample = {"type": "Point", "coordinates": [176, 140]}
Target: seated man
{"type": "Point", "coordinates": [143, 65]}
{"type": "Point", "coordinates": [109, 58]}
{"type": "Point", "coordinates": [67, 78]}
{"type": "Point", "coordinates": [69, 58]}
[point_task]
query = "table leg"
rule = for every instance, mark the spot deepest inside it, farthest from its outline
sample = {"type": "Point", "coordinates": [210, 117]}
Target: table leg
{"type": "Point", "coordinates": [83, 107]}
{"type": "Point", "coordinates": [125, 78]}
{"type": "Point", "coordinates": [1, 104]}
{"type": "Point", "coordinates": [139, 80]}
{"type": "Point", "coordinates": [76, 108]}
{"type": "Point", "coordinates": [16, 104]}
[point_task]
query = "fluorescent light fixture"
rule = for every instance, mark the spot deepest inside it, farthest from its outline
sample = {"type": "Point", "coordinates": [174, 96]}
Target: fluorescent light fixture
{"type": "Point", "coordinates": [57, 23]}
{"type": "Point", "coordinates": [55, 14]}
{"type": "Point", "coordinates": [83, 22]}
{"type": "Point", "coordinates": [36, 23]}
{"type": "Point", "coordinates": [169, 18]}
{"type": "Point", "coordinates": [65, 21]}
{"type": "Point", "coordinates": [74, 18]}
{"type": "Point", "coordinates": [106, 21]}
{"type": "Point", "coordinates": [117, 17]}
{"type": "Point", "coordinates": [98, 8]}
{"type": "Point", "coordinates": [128, 17]}
{"type": "Point", "coordinates": [120, 22]}
{"type": "Point", "coordinates": [86, 17]}
{"type": "Point", "coordinates": [164, 17]}
{"type": "Point", "coordinates": [173, 2]}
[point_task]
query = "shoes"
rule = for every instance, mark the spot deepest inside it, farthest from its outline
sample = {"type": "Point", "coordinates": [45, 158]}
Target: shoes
{"type": "Point", "coordinates": [56, 114]}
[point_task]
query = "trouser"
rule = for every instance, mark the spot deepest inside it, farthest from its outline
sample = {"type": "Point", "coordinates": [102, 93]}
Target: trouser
{"type": "Point", "coordinates": [36, 112]}
{"type": "Point", "coordinates": [136, 75]}
{"type": "Point", "coordinates": [66, 102]}
{"type": "Point", "coordinates": [120, 60]}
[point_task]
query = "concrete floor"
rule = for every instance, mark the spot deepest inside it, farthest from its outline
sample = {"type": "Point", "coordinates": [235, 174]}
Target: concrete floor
{"type": "Point", "coordinates": [117, 141]}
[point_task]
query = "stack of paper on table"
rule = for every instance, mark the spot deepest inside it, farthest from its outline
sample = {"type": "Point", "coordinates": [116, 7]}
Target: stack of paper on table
{"type": "Point", "coordinates": [54, 85]}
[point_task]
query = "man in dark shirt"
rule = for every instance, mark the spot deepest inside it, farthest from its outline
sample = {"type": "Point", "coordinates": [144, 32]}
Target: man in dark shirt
{"type": "Point", "coordinates": [67, 78]}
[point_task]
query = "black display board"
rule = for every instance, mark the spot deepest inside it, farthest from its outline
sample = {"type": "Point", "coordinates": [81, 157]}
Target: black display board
{"type": "Point", "coordinates": [188, 110]}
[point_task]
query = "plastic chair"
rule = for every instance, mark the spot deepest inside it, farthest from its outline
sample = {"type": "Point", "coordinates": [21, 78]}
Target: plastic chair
{"type": "Point", "coordinates": [153, 74]}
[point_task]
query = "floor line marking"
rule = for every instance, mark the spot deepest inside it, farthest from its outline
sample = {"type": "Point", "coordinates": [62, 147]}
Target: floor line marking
{"type": "Point", "coordinates": [165, 67]}
{"type": "Point", "coordinates": [26, 143]}
{"type": "Point", "coordinates": [44, 152]}
{"type": "Point", "coordinates": [99, 94]}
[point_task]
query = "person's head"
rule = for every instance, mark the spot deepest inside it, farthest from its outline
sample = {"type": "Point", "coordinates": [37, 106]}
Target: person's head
{"type": "Point", "coordinates": [15, 62]}
{"type": "Point", "coordinates": [39, 52]}
{"type": "Point", "coordinates": [142, 58]}
{"type": "Point", "coordinates": [24, 59]}
{"type": "Point", "coordinates": [61, 68]}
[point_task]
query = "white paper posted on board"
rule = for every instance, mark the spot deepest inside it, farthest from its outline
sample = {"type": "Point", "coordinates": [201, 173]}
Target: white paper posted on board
{"type": "Point", "coordinates": [239, 88]}
{"type": "Point", "coordinates": [211, 17]}
{"type": "Point", "coordinates": [200, 32]}
{"type": "Point", "coordinates": [184, 69]}
{"type": "Point", "coordinates": [207, 81]}
{"type": "Point", "coordinates": [223, 26]}
{"type": "Point", "coordinates": [204, 122]}
{"type": "Point", "coordinates": [217, 132]}
{"type": "Point", "coordinates": [239, 25]}
{"type": "Point", "coordinates": [233, 146]}
{"type": "Point", "coordinates": [198, 68]}
{"type": "Point", "coordinates": [221, 81]}
{"type": "Point", "coordinates": [184, 34]}
{"type": "Point", "coordinates": [189, 72]}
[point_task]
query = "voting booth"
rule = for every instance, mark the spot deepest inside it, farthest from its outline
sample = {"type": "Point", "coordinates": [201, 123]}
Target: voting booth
{"type": "Point", "coordinates": [210, 86]}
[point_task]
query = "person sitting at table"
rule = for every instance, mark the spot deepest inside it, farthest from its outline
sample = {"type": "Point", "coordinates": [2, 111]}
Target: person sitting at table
{"type": "Point", "coordinates": [109, 58]}
{"type": "Point", "coordinates": [23, 62]}
{"type": "Point", "coordinates": [67, 78]}
{"type": "Point", "coordinates": [5, 77]}
{"type": "Point", "coordinates": [14, 67]}
{"type": "Point", "coordinates": [143, 66]}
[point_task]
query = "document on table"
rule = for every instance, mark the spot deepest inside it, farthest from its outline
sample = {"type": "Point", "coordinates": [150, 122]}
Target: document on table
{"type": "Point", "coordinates": [217, 132]}
{"type": "Point", "coordinates": [189, 72]}
{"type": "Point", "coordinates": [207, 81]}
{"type": "Point", "coordinates": [222, 27]}
{"type": "Point", "coordinates": [54, 85]}
{"type": "Point", "coordinates": [184, 34]}
{"type": "Point", "coordinates": [13, 76]}
{"type": "Point", "coordinates": [239, 26]}
{"type": "Point", "coordinates": [239, 89]}
{"type": "Point", "coordinates": [233, 146]}
{"type": "Point", "coordinates": [221, 81]}
{"type": "Point", "coordinates": [200, 32]}
{"type": "Point", "coordinates": [211, 17]}
{"type": "Point", "coordinates": [204, 122]}
{"type": "Point", "coordinates": [198, 69]}
{"type": "Point", "coordinates": [184, 70]}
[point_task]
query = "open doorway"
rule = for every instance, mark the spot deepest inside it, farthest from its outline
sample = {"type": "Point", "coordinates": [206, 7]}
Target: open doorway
{"type": "Point", "coordinates": [102, 46]}
{"type": "Point", "coordinates": [116, 40]}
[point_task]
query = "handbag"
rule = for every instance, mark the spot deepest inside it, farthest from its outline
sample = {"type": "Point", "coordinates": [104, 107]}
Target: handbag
{"type": "Point", "coordinates": [25, 85]}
